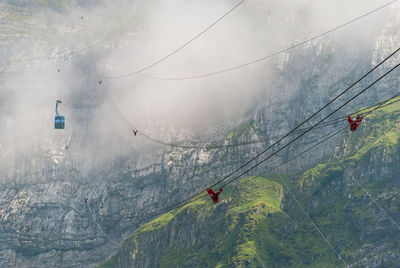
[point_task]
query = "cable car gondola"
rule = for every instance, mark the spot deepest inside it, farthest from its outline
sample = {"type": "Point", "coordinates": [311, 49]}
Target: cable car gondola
{"type": "Point", "coordinates": [59, 120]}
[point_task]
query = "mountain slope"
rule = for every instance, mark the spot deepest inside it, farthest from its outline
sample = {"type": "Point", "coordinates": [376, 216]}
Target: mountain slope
{"type": "Point", "coordinates": [215, 230]}
{"type": "Point", "coordinates": [44, 221]}
{"type": "Point", "coordinates": [258, 223]}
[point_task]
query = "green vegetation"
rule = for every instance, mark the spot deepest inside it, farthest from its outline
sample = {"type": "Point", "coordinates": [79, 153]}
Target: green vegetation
{"type": "Point", "coordinates": [108, 264]}
{"type": "Point", "coordinates": [259, 221]}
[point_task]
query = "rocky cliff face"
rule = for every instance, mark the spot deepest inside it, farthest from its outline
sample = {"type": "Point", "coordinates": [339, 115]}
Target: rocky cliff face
{"type": "Point", "coordinates": [353, 200]}
{"type": "Point", "coordinates": [44, 220]}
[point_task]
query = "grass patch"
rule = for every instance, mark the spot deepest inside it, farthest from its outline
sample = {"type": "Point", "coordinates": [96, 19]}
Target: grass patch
{"type": "Point", "coordinates": [108, 264]}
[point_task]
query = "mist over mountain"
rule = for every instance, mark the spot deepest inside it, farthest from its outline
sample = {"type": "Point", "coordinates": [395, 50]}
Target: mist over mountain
{"type": "Point", "coordinates": [61, 50]}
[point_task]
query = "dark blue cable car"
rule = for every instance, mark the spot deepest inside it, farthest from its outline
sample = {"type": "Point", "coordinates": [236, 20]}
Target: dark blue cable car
{"type": "Point", "coordinates": [59, 120]}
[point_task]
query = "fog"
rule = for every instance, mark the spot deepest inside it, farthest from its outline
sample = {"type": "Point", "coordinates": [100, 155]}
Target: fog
{"type": "Point", "coordinates": [61, 52]}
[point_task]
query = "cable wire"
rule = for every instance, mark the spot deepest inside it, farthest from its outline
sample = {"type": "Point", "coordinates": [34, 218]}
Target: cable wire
{"type": "Point", "coordinates": [372, 199]}
{"type": "Point", "coordinates": [180, 47]}
{"type": "Point", "coordinates": [337, 252]}
{"type": "Point", "coordinates": [255, 250]}
{"type": "Point", "coordinates": [133, 128]}
{"type": "Point", "coordinates": [200, 196]}
{"type": "Point", "coordinates": [94, 219]}
{"type": "Point", "coordinates": [270, 55]}
{"type": "Point", "coordinates": [286, 145]}
{"type": "Point", "coordinates": [178, 204]}
{"type": "Point", "coordinates": [309, 118]}
{"type": "Point", "coordinates": [289, 143]}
